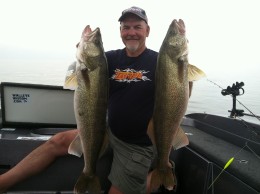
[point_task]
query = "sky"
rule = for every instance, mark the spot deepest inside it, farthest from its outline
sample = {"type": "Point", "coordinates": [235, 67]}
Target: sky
{"type": "Point", "coordinates": [223, 34]}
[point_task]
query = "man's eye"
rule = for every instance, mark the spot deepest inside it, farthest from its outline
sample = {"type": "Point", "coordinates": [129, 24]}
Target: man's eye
{"type": "Point", "coordinates": [138, 27]}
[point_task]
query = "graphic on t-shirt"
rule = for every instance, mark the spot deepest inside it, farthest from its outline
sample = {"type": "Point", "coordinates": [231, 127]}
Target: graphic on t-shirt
{"type": "Point", "coordinates": [130, 75]}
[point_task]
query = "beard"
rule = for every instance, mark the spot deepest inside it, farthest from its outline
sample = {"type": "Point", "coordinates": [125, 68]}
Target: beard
{"type": "Point", "coordinates": [131, 47]}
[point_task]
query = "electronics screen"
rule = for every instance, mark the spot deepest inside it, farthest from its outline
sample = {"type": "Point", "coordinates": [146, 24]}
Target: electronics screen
{"type": "Point", "coordinates": [34, 105]}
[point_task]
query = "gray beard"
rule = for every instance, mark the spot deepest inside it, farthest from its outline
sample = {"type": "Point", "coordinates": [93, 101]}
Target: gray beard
{"type": "Point", "coordinates": [132, 48]}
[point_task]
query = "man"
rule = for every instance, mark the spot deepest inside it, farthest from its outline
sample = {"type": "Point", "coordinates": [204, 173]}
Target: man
{"type": "Point", "coordinates": [131, 99]}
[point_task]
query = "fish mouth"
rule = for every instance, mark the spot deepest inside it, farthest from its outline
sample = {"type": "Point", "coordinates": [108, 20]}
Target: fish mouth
{"type": "Point", "coordinates": [178, 26]}
{"type": "Point", "coordinates": [94, 31]}
{"type": "Point", "coordinates": [90, 34]}
{"type": "Point", "coordinates": [88, 30]}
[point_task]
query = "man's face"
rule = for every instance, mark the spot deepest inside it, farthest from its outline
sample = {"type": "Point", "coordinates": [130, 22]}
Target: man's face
{"type": "Point", "coordinates": [133, 32]}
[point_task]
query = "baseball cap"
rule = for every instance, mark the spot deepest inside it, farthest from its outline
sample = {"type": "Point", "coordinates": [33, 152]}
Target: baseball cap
{"type": "Point", "coordinates": [136, 11]}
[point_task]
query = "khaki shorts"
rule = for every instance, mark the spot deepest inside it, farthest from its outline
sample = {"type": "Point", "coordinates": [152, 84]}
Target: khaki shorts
{"type": "Point", "coordinates": [130, 166]}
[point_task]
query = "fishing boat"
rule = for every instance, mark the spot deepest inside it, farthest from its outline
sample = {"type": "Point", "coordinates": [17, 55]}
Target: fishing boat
{"type": "Point", "coordinates": [222, 156]}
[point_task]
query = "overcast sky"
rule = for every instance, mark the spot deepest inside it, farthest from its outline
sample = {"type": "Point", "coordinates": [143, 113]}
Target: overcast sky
{"type": "Point", "coordinates": [224, 35]}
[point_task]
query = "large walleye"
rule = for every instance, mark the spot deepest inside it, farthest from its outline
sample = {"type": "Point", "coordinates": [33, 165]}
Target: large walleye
{"type": "Point", "coordinates": [90, 106]}
{"type": "Point", "coordinates": [172, 77]}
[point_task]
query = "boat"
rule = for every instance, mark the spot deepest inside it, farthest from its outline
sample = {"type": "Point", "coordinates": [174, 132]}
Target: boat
{"type": "Point", "coordinates": [222, 156]}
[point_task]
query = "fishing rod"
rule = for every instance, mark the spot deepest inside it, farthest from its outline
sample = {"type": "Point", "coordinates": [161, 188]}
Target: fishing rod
{"type": "Point", "coordinates": [236, 90]}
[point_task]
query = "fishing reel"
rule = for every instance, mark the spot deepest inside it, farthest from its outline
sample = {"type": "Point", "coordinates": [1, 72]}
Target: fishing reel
{"type": "Point", "coordinates": [234, 90]}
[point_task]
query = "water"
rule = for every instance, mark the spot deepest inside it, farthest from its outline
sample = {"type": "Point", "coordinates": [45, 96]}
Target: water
{"type": "Point", "coordinates": [48, 72]}
{"type": "Point", "coordinates": [206, 95]}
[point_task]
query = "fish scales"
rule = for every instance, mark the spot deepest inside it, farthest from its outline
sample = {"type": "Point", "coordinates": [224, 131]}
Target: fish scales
{"type": "Point", "coordinates": [171, 98]}
{"type": "Point", "coordinates": [90, 107]}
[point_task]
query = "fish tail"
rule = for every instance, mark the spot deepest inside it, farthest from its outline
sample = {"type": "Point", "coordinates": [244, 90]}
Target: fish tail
{"type": "Point", "coordinates": [87, 183]}
{"type": "Point", "coordinates": [162, 177]}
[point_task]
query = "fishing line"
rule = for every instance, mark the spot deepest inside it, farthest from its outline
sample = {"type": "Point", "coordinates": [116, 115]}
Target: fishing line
{"type": "Point", "coordinates": [228, 163]}
{"type": "Point", "coordinates": [215, 84]}
{"type": "Point", "coordinates": [254, 115]}
{"type": "Point", "coordinates": [226, 166]}
{"type": "Point", "coordinates": [249, 110]}
{"type": "Point", "coordinates": [253, 151]}
{"type": "Point", "coordinates": [247, 124]}
{"type": "Point", "coordinates": [231, 160]}
{"type": "Point", "coordinates": [249, 127]}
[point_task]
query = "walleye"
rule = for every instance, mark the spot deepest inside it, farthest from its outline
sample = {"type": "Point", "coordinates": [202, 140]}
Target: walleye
{"type": "Point", "coordinates": [90, 107]}
{"type": "Point", "coordinates": [171, 99]}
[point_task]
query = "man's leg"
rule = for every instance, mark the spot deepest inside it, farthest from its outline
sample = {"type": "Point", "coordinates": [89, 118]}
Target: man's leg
{"type": "Point", "coordinates": [38, 159]}
{"type": "Point", "coordinates": [130, 166]}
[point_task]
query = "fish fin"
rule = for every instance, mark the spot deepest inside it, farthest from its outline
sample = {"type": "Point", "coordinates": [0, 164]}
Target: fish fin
{"type": "Point", "coordinates": [150, 131]}
{"type": "Point", "coordinates": [180, 140]}
{"type": "Point", "coordinates": [87, 183]}
{"type": "Point", "coordinates": [75, 147]}
{"type": "Point", "coordinates": [71, 77]}
{"type": "Point", "coordinates": [104, 145]}
{"type": "Point", "coordinates": [163, 177]}
{"type": "Point", "coordinates": [71, 82]}
{"type": "Point", "coordinates": [194, 73]}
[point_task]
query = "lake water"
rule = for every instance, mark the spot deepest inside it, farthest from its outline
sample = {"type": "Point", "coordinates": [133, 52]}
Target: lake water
{"type": "Point", "coordinates": [206, 95]}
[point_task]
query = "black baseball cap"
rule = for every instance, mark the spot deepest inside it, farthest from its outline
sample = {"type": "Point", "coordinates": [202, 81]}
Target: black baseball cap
{"type": "Point", "coordinates": [136, 11]}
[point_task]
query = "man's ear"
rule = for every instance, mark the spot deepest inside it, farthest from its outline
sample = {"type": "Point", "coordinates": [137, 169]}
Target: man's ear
{"type": "Point", "coordinates": [148, 31]}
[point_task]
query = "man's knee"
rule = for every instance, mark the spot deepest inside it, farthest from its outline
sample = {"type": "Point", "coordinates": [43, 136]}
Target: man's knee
{"type": "Point", "coordinates": [60, 142]}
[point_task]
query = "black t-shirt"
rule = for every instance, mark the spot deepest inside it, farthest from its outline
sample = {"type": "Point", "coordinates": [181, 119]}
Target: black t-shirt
{"type": "Point", "coordinates": [131, 94]}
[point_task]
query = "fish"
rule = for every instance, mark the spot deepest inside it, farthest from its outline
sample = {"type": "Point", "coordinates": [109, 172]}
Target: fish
{"type": "Point", "coordinates": [172, 76]}
{"type": "Point", "coordinates": [90, 107]}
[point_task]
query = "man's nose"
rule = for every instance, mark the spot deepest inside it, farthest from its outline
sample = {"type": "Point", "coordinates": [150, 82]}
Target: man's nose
{"type": "Point", "coordinates": [131, 31]}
